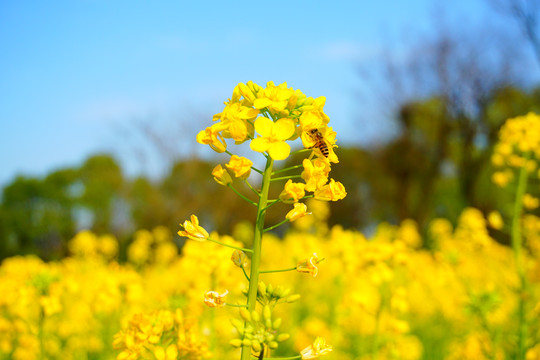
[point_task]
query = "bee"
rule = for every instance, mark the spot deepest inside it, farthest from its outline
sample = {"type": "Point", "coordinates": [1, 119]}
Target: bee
{"type": "Point", "coordinates": [320, 142]}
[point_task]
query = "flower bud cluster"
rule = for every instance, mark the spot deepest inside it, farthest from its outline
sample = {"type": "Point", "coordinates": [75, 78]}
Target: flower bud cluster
{"type": "Point", "coordinates": [258, 330]}
{"type": "Point", "coordinates": [268, 294]}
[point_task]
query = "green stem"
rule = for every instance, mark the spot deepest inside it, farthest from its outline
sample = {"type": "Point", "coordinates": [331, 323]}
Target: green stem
{"type": "Point", "coordinates": [230, 246]}
{"type": "Point", "coordinates": [272, 202]}
{"type": "Point", "coordinates": [275, 226]}
{"type": "Point", "coordinates": [286, 169]}
{"type": "Point", "coordinates": [251, 187]}
{"type": "Point", "coordinates": [245, 274]}
{"type": "Point", "coordinates": [275, 271]}
{"type": "Point", "coordinates": [242, 196]}
{"type": "Point", "coordinates": [286, 177]}
{"type": "Point", "coordinates": [517, 246]}
{"type": "Point", "coordinates": [257, 247]}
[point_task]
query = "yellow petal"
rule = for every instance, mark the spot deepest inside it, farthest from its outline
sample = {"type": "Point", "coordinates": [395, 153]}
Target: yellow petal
{"type": "Point", "coordinates": [279, 150]}
{"type": "Point", "coordinates": [238, 130]}
{"type": "Point", "coordinates": [284, 129]}
{"type": "Point", "coordinates": [261, 103]}
{"type": "Point", "coordinates": [259, 144]}
{"type": "Point", "coordinates": [264, 126]}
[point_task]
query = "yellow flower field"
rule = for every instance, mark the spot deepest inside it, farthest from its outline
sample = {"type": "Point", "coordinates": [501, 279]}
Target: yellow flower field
{"type": "Point", "coordinates": [381, 297]}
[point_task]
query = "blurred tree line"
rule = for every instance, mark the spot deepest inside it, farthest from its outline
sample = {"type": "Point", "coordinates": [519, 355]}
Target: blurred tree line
{"type": "Point", "coordinates": [448, 96]}
{"type": "Point", "coordinates": [439, 163]}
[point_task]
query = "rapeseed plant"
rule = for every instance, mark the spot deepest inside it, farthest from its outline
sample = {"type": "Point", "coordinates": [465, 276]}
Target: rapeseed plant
{"type": "Point", "coordinates": [268, 118]}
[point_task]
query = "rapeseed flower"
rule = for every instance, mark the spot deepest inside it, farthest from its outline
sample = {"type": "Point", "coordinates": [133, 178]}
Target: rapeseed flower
{"type": "Point", "coordinates": [221, 175]}
{"type": "Point", "coordinates": [273, 136]}
{"type": "Point", "coordinates": [214, 299]}
{"type": "Point", "coordinates": [317, 349]}
{"type": "Point", "coordinates": [309, 266]}
{"type": "Point", "coordinates": [192, 230]}
{"type": "Point", "coordinates": [240, 166]}
{"type": "Point", "coordinates": [315, 173]}
{"type": "Point", "coordinates": [332, 191]}
{"type": "Point", "coordinates": [292, 192]}
{"type": "Point", "coordinates": [298, 211]}
{"type": "Point", "coordinates": [212, 136]}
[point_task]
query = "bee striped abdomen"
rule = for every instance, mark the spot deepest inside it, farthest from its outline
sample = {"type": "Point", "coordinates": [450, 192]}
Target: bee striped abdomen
{"type": "Point", "coordinates": [320, 143]}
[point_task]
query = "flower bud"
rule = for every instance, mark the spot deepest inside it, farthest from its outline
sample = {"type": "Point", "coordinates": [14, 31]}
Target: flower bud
{"type": "Point", "coordinates": [244, 313]}
{"type": "Point", "coordinates": [276, 324]}
{"type": "Point", "coordinates": [236, 342]}
{"type": "Point", "coordinates": [255, 316]}
{"type": "Point", "coordinates": [283, 337]}
{"type": "Point", "coordinates": [221, 175]}
{"type": "Point", "coordinates": [239, 258]}
{"type": "Point", "coordinates": [293, 298]}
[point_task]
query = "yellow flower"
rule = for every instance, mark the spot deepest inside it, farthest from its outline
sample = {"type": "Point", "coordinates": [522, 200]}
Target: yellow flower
{"type": "Point", "coordinates": [309, 266]}
{"type": "Point", "coordinates": [495, 220]}
{"type": "Point", "coordinates": [502, 178]}
{"type": "Point", "coordinates": [275, 98]}
{"type": "Point", "coordinates": [192, 230]}
{"type": "Point", "coordinates": [239, 258]}
{"type": "Point", "coordinates": [297, 212]}
{"type": "Point", "coordinates": [530, 202]}
{"type": "Point", "coordinates": [273, 137]}
{"type": "Point", "coordinates": [315, 173]}
{"type": "Point", "coordinates": [317, 349]}
{"type": "Point", "coordinates": [171, 353]}
{"type": "Point", "coordinates": [236, 121]}
{"type": "Point", "coordinates": [292, 192]}
{"type": "Point", "coordinates": [211, 136]}
{"type": "Point", "coordinates": [214, 299]}
{"type": "Point", "coordinates": [332, 191]}
{"type": "Point", "coordinates": [221, 175]}
{"type": "Point", "coordinates": [241, 166]}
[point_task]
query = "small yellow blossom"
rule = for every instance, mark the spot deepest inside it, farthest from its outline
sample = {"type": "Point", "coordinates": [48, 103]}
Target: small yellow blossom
{"type": "Point", "coordinates": [275, 98]}
{"type": "Point", "coordinates": [495, 220]}
{"type": "Point", "coordinates": [530, 202]}
{"type": "Point", "coordinates": [240, 166]}
{"type": "Point", "coordinates": [273, 136]}
{"type": "Point", "coordinates": [502, 178]}
{"type": "Point", "coordinates": [171, 353]}
{"type": "Point", "coordinates": [214, 299]}
{"type": "Point", "coordinates": [192, 230]}
{"type": "Point", "coordinates": [221, 175]}
{"type": "Point", "coordinates": [315, 173]}
{"type": "Point", "coordinates": [292, 192]}
{"type": "Point", "coordinates": [309, 266]}
{"type": "Point", "coordinates": [239, 258]}
{"type": "Point", "coordinates": [332, 191]}
{"type": "Point", "coordinates": [317, 349]}
{"type": "Point", "coordinates": [211, 136]}
{"type": "Point", "coordinates": [298, 211]}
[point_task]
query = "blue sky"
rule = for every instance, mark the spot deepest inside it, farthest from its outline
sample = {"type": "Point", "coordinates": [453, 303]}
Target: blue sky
{"type": "Point", "coordinates": [74, 72]}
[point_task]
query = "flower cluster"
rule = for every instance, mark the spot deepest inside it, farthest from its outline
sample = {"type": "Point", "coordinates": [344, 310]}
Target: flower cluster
{"type": "Point", "coordinates": [269, 118]}
{"type": "Point", "coordinates": [518, 146]}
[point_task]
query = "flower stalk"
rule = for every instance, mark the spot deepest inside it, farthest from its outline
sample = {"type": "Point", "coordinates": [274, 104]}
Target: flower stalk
{"type": "Point", "coordinates": [257, 246]}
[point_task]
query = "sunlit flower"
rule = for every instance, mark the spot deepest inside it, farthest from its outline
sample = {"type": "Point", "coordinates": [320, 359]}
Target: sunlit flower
{"type": "Point", "coordinates": [309, 266]}
{"type": "Point", "coordinates": [315, 173]}
{"type": "Point", "coordinates": [275, 98]}
{"type": "Point", "coordinates": [211, 136]}
{"type": "Point", "coordinates": [332, 191]}
{"type": "Point", "coordinates": [298, 211]}
{"type": "Point", "coordinates": [273, 136]}
{"type": "Point", "coordinates": [240, 166]}
{"type": "Point", "coordinates": [192, 230]}
{"type": "Point", "coordinates": [221, 175]}
{"type": "Point", "coordinates": [214, 299]}
{"type": "Point", "coordinates": [237, 121]}
{"type": "Point", "coordinates": [317, 349]}
{"type": "Point", "coordinates": [292, 192]}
